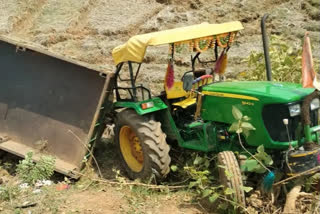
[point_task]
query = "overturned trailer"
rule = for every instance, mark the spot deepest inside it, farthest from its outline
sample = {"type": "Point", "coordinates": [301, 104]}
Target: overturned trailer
{"type": "Point", "coordinates": [50, 104]}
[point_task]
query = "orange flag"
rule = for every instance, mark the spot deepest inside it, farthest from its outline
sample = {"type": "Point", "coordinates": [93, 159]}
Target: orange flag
{"type": "Point", "coordinates": [308, 73]}
{"type": "Point", "coordinates": [221, 63]}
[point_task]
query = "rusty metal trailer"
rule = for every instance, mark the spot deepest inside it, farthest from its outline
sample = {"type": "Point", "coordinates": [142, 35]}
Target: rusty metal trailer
{"type": "Point", "coordinates": [50, 104]}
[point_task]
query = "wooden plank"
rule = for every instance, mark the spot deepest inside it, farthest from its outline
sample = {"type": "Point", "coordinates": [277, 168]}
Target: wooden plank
{"type": "Point", "coordinates": [101, 100]}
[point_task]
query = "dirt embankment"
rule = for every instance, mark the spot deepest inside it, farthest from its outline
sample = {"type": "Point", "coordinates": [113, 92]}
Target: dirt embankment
{"type": "Point", "coordinates": [88, 30]}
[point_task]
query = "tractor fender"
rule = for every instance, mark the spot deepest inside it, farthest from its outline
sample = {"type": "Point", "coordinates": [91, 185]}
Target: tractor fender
{"type": "Point", "coordinates": [156, 105]}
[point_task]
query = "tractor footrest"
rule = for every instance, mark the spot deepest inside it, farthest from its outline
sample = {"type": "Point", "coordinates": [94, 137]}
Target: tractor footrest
{"type": "Point", "coordinates": [185, 103]}
{"type": "Point", "coordinates": [195, 124]}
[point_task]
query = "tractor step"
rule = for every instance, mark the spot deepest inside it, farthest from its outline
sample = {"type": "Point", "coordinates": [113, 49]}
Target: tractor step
{"type": "Point", "coordinates": [195, 124]}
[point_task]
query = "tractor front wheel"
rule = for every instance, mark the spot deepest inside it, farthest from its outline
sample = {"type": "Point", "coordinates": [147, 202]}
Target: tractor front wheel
{"type": "Point", "coordinates": [230, 176]}
{"type": "Point", "coordinates": [142, 145]}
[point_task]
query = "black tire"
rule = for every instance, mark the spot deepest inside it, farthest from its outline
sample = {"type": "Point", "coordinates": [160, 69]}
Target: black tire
{"type": "Point", "coordinates": [156, 159]}
{"type": "Point", "coordinates": [228, 160]}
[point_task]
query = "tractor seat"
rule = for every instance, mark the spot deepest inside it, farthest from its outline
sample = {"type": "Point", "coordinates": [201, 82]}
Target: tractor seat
{"type": "Point", "coordinates": [191, 96]}
{"type": "Point", "coordinates": [176, 91]}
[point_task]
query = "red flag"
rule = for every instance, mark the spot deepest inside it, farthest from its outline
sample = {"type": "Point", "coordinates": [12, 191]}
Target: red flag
{"type": "Point", "coordinates": [169, 78]}
{"type": "Point", "coordinates": [308, 73]}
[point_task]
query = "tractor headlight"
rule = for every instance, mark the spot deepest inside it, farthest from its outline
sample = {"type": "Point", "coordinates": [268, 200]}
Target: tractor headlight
{"type": "Point", "coordinates": [315, 104]}
{"type": "Point", "coordinates": [294, 110]}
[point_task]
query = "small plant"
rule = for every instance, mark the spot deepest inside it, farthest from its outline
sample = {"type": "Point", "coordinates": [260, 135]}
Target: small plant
{"type": "Point", "coordinates": [241, 124]}
{"type": "Point", "coordinates": [252, 165]}
{"type": "Point", "coordinates": [8, 192]}
{"type": "Point", "coordinates": [199, 173]}
{"type": "Point", "coordinates": [256, 163]}
{"type": "Point", "coordinates": [201, 178]}
{"type": "Point", "coordinates": [312, 182]}
{"type": "Point", "coordinates": [30, 172]}
{"type": "Point", "coordinates": [203, 181]}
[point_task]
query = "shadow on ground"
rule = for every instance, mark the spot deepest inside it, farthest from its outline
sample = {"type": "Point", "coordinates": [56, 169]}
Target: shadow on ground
{"type": "Point", "coordinates": [107, 157]}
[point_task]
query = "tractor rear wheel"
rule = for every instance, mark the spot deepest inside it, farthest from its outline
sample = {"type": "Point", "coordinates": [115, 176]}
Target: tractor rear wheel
{"type": "Point", "coordinates": [230, 176]}
{"type": "Point", "coordinates": [142, 145]}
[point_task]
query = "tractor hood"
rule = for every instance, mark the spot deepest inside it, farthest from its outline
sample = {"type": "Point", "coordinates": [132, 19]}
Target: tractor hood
{"type": "Point", "coordinates": [270, 92]}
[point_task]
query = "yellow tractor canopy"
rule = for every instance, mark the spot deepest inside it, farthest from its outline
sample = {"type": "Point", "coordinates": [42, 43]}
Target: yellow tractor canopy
{"type": "Point", "coordinates": [134, 49]}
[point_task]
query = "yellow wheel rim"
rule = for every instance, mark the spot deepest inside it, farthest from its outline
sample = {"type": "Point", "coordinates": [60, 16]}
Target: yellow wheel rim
{"type": "Point", "coordinates": [131, 148]}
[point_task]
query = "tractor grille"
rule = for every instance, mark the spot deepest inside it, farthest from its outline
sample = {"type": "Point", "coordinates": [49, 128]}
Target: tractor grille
{"type": "Point", "coordinates": [273, 116]}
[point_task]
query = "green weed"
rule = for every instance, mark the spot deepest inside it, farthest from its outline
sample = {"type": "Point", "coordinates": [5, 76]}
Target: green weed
{"type": "Point", "coordinates": [8, 192]}
{"type": "Point", "coordinates": [30, 172]}
{"type": "Point", "coordinates": [285, 63]}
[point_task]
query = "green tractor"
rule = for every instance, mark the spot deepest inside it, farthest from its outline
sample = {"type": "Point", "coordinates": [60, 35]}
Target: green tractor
{"type": "Point", "coordinates": [196, 111]}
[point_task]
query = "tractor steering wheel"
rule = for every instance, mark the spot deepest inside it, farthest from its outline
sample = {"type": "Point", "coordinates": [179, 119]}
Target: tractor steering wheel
{"type": "Point", "coordinates": [203, 80]}
{"type": "Point", "coordinates": [197, 73]}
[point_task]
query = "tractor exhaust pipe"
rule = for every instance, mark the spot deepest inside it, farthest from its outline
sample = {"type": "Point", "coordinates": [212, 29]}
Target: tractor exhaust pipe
{"type": "Point", "coordinates": [266, 46]}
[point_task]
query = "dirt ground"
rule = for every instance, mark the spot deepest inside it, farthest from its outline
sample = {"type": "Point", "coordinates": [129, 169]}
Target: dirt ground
{"type": "Point", "coordinates": [89, 197]}
{"type": "Point", "coordinates": [88, 30]}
